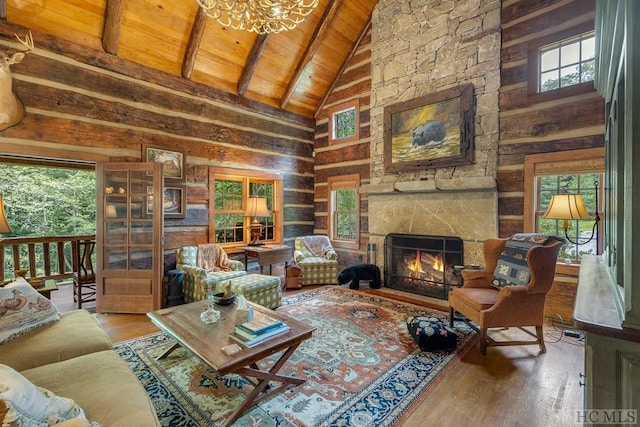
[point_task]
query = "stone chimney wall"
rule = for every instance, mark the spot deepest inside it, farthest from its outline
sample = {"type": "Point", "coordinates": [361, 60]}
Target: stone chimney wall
{"type": "Point", "coordinates": [419, 48]}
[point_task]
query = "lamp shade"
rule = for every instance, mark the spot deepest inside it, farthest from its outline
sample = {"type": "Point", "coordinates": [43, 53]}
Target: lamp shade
{"type": "Point", "coordinates": [4, 225]}
{"type": "Point", "coordinates": [566, 206]}
{"type": "Point", "coordinates": [257, 207]}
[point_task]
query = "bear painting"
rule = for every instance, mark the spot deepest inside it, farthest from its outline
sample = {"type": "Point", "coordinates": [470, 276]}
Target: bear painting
{"type": "Point", "coordinates": [354, 274]}
{"type": "Point", "coordinates": [431, 134]}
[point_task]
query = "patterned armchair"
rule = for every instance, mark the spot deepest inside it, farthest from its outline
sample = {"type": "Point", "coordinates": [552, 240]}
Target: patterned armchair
{"type": "Point", "coordinates": [197, 280]}
{"type": "Point", "coordinates": [317, 260]}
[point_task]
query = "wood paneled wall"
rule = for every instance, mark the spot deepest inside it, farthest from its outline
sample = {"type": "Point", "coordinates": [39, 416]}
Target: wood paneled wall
{"type": "Point", "coordinates": [568, 119]}
{"type": "Point", "coordinates": [85, 104]}
{"type": "Point", "coordinates": [346, 158]}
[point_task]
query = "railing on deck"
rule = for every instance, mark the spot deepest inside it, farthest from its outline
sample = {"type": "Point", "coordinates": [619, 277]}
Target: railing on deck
{"type": "Point", "coordinates": [43, 258]}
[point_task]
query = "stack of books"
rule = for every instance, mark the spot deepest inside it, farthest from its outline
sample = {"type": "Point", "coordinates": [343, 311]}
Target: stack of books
{"type": "Point", "coordinates": [260, 329]}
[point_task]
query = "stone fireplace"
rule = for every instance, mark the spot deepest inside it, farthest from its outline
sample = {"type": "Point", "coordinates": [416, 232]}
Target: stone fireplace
{"type": "Point", "coordinates": [422, 264]}
{"type": "Point", "coordinates": [420, 48]}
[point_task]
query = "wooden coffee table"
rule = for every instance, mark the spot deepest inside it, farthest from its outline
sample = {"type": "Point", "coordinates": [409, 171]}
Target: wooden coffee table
{"type": "Point", "coordinates": [206, 341]}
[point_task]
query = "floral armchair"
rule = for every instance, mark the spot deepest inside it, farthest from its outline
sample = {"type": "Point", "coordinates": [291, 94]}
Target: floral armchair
{"type": "Point", "coordinates": [205, 266]}
{"type": "Point", "coordinates": [317, 260]}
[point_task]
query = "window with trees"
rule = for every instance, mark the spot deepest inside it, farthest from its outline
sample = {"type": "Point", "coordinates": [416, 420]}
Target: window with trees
{"type": "Point", "coordinates": [229, 192]}
{"type": "Point", "coordinates": [567, 62]}
{"type": "Point", "coordinates": [575, 172]}
{"type": "Point", "coordinates": [344, 123]}
{"type": "Point", "coordinates": [49, 199]}
{"type": "Point", "coordinates": [561, 64]}
{"type": "Point", "coordinates": [344, 210]}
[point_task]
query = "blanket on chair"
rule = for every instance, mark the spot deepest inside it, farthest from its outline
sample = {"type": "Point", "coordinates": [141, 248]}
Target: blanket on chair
{"type": "Point", "coordinates": [212, 257]}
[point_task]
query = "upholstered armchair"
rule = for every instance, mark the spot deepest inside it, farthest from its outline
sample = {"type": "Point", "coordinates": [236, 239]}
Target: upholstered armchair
{"type": "Point", "coordinates": [511, 290]}
{"type": "Point", "coordinates": [204, 271]}
{"type": "Point", "coordinates": [317, 260]}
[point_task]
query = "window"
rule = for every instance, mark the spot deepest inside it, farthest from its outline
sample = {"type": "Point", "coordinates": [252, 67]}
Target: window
{"type": "Point", "coordinates": [344, 209]}
{"type": "Point", "coordinates": [229, 191]}
{"type": "Point", "coordinates": [344, 123]}
{"type": "Point", "coordinates": [574, 172]}
{"type": "Point", "coordinates": [567, 63]}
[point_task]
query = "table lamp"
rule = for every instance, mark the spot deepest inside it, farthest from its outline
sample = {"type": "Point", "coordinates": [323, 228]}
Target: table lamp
{"type": "Point", "coordinates": [571, 207]}
{"type": "Point", "coordinates": [256, 207]}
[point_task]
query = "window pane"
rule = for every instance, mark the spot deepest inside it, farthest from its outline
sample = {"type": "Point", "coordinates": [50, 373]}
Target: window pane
{"type": "Point", "coordinates": [588, 49]}
{"type": "Point", "coordinates": [346, 226]}
{"type": "Point", "coordinates": [549, 60]}
{"type": "Point", "coordinates": [549, 81]}
{"type": "Point", "coordinates": [567, 63]}
{"type": "Point", "coordinates": [570, 54]}
{"type": "Point", "coordinates": [577, 231]}
{"type": "Point", "coordinates": [345, 123]}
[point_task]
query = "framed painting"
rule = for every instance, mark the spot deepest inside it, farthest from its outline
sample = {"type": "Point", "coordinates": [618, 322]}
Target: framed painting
{"type": "Point", "coordinates": [435, 130]}
{"type": "Point", "coordinates": [174, 202]}
{"type": "Point", "coordinates": [173, 160]}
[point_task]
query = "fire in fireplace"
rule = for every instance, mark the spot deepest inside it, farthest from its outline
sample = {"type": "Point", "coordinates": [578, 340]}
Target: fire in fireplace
{"type": "Point", "coordinates": [422, 264]}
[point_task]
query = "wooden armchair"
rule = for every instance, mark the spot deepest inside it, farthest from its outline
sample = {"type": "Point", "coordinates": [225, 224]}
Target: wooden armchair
{"type": "Point", "coordinates": [84, 275]}
{"type": "Point", "coordinates": [490, 303]}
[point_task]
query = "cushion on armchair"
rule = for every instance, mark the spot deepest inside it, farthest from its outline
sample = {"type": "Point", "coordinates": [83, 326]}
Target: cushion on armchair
{"type": "Point", "coordinates": [314, 246]}
{"type": "Point", "coordinates": [512, 269]}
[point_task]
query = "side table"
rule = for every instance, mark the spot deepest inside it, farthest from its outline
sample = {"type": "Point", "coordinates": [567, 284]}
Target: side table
{"type": "Point", "coordinates": [268, 255]}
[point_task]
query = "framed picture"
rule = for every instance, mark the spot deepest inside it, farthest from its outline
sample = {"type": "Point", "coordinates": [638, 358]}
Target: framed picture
{"type": "Point", "coordinates": [435, 130]}
{"type": "Point", "coordinates": [173, 161]}
{"type": "Point", "coordinates": [174, 202]}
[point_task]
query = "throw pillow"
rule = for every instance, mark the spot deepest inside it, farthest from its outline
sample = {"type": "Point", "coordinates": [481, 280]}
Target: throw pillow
{"type": "Point", "coordinates": [28, 405]}
{"type": "Point", "coordinates": [512, 268]}
{"type": "Point", "coordinates": [22, 309]}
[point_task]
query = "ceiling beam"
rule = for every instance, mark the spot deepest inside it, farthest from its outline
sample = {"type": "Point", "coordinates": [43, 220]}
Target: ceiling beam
{"type": "Point", "coordinates": [316, 40]}
{"type": "Point", "coordinates": [323, 101]}
{"type": "Point", "coordinates": [193, 45]}
{"type": "Point", "coordinates": [112, 23]}
{"type": "Point", "coordinates": [252, 62]}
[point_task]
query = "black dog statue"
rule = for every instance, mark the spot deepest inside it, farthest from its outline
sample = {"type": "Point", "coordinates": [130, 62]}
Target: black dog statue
{"type": "Point", "coordinates": [355, 273]}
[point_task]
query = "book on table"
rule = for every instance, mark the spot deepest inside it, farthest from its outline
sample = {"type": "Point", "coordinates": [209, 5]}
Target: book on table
{"type": "Point", "coordinates": [250, 340]}
{"type": "Point", "coordinates": [261, 323]}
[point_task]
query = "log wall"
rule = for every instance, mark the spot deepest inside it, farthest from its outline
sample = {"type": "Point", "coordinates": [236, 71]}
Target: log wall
{"type": "Point", "coordinates": [87, 105]}
{"type": "Point", "coordinates": [567, 120]}
{"type": "Point", "coordinates": [345, 158]}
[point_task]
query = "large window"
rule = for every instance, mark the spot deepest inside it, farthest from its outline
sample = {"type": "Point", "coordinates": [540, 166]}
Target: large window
{"type": "Point", "coordinates": [574, 172]}
{"type": "Point", "coordinates": [344, 123]}
{"type": "Point", "coordinates": [344, 209]}
{"type": "Point", "coordinates": [567, 62]}
{"type": "Point", "coordinates": [229, 192]}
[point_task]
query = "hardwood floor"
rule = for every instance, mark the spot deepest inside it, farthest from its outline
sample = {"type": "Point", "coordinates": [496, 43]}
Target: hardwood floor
{"type": "Point", "coordinates": [510, 386]}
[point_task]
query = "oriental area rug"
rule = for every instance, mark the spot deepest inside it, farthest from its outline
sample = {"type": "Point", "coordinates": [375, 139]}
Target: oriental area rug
{"type": "Point", "coordinates": [361, 365]}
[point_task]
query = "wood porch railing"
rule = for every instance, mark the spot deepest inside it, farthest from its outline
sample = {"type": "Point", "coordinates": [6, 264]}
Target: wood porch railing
{"type": "Point", "coordinates": [43, 258]}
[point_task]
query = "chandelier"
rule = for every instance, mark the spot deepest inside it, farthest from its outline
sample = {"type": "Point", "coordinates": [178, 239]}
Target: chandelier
{"type": "Point", "coordinates": [260, 16]}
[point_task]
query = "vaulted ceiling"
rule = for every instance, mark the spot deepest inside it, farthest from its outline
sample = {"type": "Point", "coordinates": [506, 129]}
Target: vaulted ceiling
{"type": "Point", "coordinates": [293, 70]}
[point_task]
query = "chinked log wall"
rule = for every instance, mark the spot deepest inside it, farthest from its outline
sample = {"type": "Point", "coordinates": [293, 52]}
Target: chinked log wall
{"type": "Point", "coordinates": [530, 125]}
{"type": "Point", "coordinates": [346, 158]}
{"type": "Point", "coordinates": [88, 105]}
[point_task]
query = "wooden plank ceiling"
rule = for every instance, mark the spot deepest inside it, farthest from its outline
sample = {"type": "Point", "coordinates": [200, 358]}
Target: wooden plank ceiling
{"type": "Point", "coordinates": [293, 70]}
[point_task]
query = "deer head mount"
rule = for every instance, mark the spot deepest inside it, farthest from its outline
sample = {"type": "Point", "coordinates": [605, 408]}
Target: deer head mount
{"type": "Point", "coordinates": [11, 108]}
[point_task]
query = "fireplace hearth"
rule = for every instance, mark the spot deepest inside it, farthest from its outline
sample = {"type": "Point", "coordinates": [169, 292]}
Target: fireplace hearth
{"type": "Point", "coordinates": [422, 264]}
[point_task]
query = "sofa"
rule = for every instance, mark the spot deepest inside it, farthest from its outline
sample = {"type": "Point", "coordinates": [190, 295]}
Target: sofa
{"type": "Point", "coordinates": [205, 267]}
{"type": "Point", "coordinates": [317, 260]}
{"type": "Point", "coordinates": [64, 361]}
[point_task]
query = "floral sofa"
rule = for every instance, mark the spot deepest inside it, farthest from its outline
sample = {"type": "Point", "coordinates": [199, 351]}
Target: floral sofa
{"type": "Point", "coordinates": [205, 273]}
{"type": "Point", "coordinates": [317, 260]}
{"type": "Point", "coordinates": [61, 369]}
